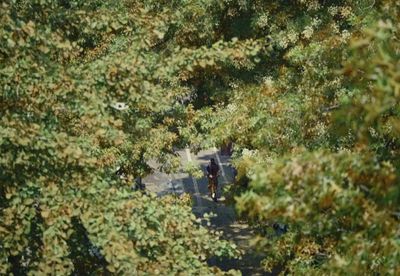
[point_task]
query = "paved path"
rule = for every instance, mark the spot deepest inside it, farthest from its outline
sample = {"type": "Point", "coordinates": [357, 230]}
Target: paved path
{"type": "Point", "coordinates": [225, 219]}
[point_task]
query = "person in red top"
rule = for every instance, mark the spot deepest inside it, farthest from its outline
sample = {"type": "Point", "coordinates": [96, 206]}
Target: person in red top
{"type": "Point", "coordinates": [212, 175]}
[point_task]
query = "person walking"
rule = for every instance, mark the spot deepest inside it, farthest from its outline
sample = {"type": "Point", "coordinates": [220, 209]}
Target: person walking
{"type": "Point", "coordinates": [212, 175]}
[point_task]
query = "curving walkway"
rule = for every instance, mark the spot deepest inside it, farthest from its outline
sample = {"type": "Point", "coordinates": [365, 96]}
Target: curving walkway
{"type": "Point", "coordinates": [225, 219]}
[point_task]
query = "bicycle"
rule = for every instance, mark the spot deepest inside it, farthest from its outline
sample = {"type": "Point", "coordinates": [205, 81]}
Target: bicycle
{"type": "Point", "coordinates": [213, 186]}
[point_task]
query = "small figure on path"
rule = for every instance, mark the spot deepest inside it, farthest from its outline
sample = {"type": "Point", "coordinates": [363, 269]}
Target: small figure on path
{"type": "Point", "coordinates": [212, 175]}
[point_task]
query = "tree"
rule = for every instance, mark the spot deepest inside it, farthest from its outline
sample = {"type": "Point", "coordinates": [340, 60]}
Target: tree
{"type": "Point", "coordinates": [315, 132]}
{"type": "Point", "coordinates": [86, 87]}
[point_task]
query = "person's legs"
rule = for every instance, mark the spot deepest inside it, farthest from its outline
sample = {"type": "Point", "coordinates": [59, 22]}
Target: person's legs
{"type": "Point", "coordinates": [214, 189]}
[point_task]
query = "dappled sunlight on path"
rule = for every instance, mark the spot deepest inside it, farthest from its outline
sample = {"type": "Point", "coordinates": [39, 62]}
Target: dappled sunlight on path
{"type": "Point", "coordinates": [224, 218]}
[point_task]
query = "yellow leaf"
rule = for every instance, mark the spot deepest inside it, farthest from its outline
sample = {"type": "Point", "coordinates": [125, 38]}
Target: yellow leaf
{"type": "Point", "coordinates": [44, 49]}
{"type": "Point", "coordinates": [111, 268]}
{"type": "Point", "coordinates": [45, 213]}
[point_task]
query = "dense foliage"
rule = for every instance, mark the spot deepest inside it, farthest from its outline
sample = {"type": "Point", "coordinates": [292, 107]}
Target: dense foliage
{"type": "Point", "coordinates": [306, 90]}
{"type": "Point", "coordinates": [86, 87]}
{"type": "Point", "coordinates": [316, 132]}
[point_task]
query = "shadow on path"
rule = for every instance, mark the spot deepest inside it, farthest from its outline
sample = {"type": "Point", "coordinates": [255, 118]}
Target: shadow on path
{"type": "Point", "coordinates": [225, 219]}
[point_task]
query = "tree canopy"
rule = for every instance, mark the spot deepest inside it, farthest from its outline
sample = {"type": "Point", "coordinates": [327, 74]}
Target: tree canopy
{"type": "Point", "coordinates": [308, 91]}
{"type": "Point", "coordinates": [315, 127]}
